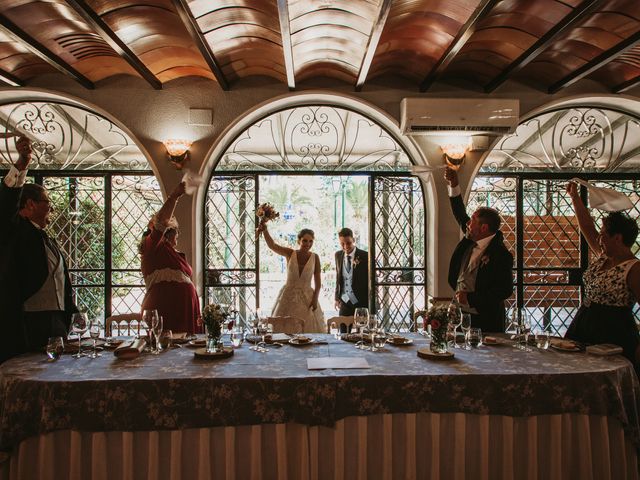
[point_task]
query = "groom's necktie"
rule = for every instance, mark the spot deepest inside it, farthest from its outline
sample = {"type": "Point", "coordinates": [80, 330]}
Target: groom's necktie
{"type": "Point", "coordinates": [466, 277]}
{"type": "Point", "coordinates": [50, 243]}
{"type": "Point", "coordinates": [348, 263]}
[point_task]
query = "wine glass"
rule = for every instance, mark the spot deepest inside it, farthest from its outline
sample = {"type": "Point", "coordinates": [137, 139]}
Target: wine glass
{"type": "Point", "coordinates": [156, 331]}
{"type": "Point", "coordinates": [455, 317]}
{"type": "Point", "coordinates": [466, 327]}
{"type": "Point", "coordinates": [55, 347]}
{"type": "Point", "coordinates": [263, 329]}
{"type": "Point", "coordinates": [361, 319]}
{"type": "Point", "coordinates": [79, 325]}
{"type": "Point", "coordinates": [525, 331]}
{"type": "Point", "coordinates": [94, 333]}
{"type": "Point", "coordinates": [149, 317]}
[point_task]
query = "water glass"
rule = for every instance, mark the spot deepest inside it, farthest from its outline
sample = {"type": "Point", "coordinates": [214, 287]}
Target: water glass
{"type": "Point", "coordinates": [334, 330]}
{"type": "Point", "coordinates": [237, 337]}
{"type": "Point", "coordinates": [55, 347]}
{"type": "Point", "coordinates": [379, 339]}
{"type": "Point", "coordinates": [475, 337]}
{"type": "Point", "coordinates": [542, 340]}
{"type": "Point", "coordinates": [361, 318]}
{"type": "Point", "coordinates": [166, 339]}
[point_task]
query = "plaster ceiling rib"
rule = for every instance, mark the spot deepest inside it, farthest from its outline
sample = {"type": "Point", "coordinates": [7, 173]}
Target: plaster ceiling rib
{"type": "Point", "coordinates": [10, 79]}
{"type": "Point", "coordinates": [192, 27]}
{"type": "Point", "coordinates": [543, 43]}
{"type": "Point", "coordinates": [627, 85]}
{"type": "Point", "coordinates": [454, 47]}
{"type": "Point", "coordinates": [372, 45]}
{"type": "Point", "coordinates": [596, 63]}
{"type": "Point", "coordinates": [109, 36]}
{"type": "Point", "coordinates": [43, 52]}
{"type": "Point", "coordinates": [287, 47]}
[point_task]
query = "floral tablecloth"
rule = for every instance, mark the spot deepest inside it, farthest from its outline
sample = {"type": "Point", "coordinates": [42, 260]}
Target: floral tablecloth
{"type": "Point", "coordinates": [174, 390]}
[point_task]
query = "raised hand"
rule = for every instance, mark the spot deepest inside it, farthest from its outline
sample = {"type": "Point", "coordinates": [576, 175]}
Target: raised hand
{"type": "Point", "coordinates": [178, 191]}
{"type": "Point", "coordinates": [451, 176]}
{"type": "Point", "coordinates": [23, 145]}
{"type": "Point", "coordinates": [572, 190]}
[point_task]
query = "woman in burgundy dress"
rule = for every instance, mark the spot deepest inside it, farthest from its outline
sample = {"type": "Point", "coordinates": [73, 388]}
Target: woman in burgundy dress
{"type": "Point", "coordinates": [167, 274]}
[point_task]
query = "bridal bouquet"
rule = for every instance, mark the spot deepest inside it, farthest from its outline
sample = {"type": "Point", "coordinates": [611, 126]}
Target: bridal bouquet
{"type": "Point", "coordinates": [266, 212]}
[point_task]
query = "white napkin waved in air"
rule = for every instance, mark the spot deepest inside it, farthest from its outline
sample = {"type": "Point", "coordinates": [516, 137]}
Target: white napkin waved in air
{"type": "Point", "coordinates": [192, 181]}
{"type": "Point", "coordinates": [604, 198]}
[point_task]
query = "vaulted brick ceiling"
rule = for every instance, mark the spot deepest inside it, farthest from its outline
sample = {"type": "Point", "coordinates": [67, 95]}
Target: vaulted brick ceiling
{"type": "Point", "coordinates": [547, 44]}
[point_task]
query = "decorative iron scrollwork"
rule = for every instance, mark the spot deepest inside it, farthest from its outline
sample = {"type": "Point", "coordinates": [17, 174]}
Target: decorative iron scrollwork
{"type": "Point", "coordinates": [68, 138]}
{"type": "Point", "coordinates": [573, 139]}
{"type": "Point", "coordinates": [315, 138]}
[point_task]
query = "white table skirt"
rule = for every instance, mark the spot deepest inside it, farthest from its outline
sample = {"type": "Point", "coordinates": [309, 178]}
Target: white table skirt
{"type": "Point", "coordinates": [411, 446]}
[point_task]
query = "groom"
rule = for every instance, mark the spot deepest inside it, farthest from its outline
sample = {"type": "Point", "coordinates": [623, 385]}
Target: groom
{"type": "Point", "coordinates": [352, 275]}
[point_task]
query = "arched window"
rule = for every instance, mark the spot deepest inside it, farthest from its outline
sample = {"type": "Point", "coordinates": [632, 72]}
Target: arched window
{"type": "Point", "coordinates": [524, 177]}
{"type": "Point", "coordinates": [103, 192]}
{"type": "Point", "coordinates": [323, 167]}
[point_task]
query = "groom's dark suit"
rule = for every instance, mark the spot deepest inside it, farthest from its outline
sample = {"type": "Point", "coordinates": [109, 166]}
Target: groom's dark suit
{"type": "Point", "coordinates": [359, 284]}
{"type": "Point", "coordinates": [494, 279]}
{"type": "Point", "coordinates": [23, 271]}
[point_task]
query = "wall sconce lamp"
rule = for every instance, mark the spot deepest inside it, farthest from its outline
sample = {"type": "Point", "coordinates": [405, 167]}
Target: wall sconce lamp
{"type": "Point", "coordinates": [454, 154]}
{"type": "Point", "coordinates": [178, 152]}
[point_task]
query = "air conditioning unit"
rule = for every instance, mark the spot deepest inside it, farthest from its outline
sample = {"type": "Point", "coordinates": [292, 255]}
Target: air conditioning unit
{"type": "Point", "coordinates": [429, 116]}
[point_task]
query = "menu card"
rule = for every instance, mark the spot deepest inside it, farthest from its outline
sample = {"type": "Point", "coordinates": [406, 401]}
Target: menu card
{"type": "Point", "coordinates": [320, 363]}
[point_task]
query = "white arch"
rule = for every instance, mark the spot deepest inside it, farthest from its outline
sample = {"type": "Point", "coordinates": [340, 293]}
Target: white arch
{"type": "Point", "coordinates": [248, 118]}
{"type": "Point", "coordinates": [22, 95]}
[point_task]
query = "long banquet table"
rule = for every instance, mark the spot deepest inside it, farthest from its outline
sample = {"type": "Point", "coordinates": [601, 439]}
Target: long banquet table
{"type": "Point", "coordinates": [492, 412]}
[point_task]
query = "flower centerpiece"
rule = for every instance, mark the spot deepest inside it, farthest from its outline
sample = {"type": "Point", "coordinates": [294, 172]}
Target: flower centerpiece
{"type": "Point", "coordinates": [438, 318]}
{"type": "Point", "coordinates": [213, 317]}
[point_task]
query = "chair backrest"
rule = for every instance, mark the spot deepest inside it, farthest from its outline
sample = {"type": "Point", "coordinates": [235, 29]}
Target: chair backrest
{"type": "Point", "coordinates": [287, 324]}
{"type": "Point", "coordinates": [130, 323]}
{"type": "Point", "coordinates": [344, 323]}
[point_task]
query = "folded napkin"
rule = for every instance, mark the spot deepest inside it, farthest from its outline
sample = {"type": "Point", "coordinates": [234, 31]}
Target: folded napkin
{"type": "Point", "coordinates": [130, 349]}
{"type": "Point", "coordinates": [604, 349]}
{"type": "Point", "coordinates": [604, 198]}
{"type": "Point", "coordinates": [560, 343]}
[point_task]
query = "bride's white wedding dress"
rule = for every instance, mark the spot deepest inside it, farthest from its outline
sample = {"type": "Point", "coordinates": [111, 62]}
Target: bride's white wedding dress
{"type": "Point", "coordinates": [296, 295]}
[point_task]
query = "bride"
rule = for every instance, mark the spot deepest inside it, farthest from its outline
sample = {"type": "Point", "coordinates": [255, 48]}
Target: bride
{"type": "Point", "coordinates": [297, 298]}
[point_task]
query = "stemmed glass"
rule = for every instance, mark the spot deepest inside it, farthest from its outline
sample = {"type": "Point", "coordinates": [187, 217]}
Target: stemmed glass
{"type": "Point", "coordinates": [263, 329]}
{"type": "Point", "coordinates": [156, 330]}
{"type": "Point", "coordinates": [361, 319]}
{"type": "Point", "coordinates": [524, 330]}
{"type": "Point", "coordinates": [79, 325]}
{"type": "Point", "coordinates": [455, 317]}
{"type": "Point", "coordinates": [149, 317]}
{"type": "Point", "coordinates": [94, 333]}
{"type": "Point", "coordinates": [466, 329]}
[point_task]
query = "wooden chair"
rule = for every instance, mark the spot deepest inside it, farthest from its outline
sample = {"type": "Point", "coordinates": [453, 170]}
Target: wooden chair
{"type": "Point", "coordinates": [344, 323]}
{"type": "Point", "coordinates": [290, 325]}
{"type": "Point", "coordinates": [131, 323]}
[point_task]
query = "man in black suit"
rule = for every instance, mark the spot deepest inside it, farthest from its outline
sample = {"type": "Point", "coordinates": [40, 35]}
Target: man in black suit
{"type": "Point", "coordinates": [35, 293]}
{"type": "Point", "coordinates": [352, 275]}
{"type": "Point", "coordinates": [480, 270]}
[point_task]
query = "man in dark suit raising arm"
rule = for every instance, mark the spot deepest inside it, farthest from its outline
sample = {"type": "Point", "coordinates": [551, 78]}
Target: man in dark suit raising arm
{"type": "Point", "coordinates": [480, 270]}
{"type": "Point", "coordinates": [35, 289]}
